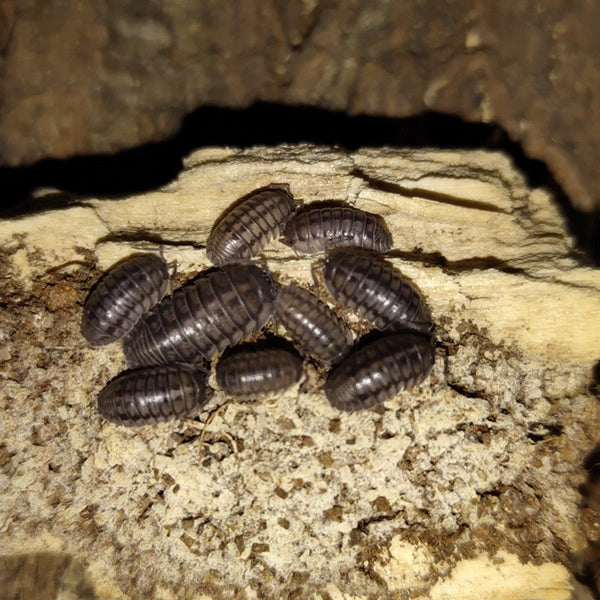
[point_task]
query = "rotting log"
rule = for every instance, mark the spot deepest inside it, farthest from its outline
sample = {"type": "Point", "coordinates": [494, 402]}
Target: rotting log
{"type": "Point", "coordinates": [476, 470]}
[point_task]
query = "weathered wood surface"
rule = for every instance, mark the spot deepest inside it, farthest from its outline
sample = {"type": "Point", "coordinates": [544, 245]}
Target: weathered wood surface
{"type": "Point", "coordinates": [481, 462]}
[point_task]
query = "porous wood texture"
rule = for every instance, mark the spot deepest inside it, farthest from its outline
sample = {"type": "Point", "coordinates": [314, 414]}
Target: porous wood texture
{"type": "Point", "coordinates": [466, 486]}
{"type": "Point", "coordinates": [99, 77]}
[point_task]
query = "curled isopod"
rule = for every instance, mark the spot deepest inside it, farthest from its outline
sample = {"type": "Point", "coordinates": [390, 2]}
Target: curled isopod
{"type": "Point", "coordinates": [253, 222]}
{"type": "Point", "coordinates": [127, 291]}
{"type": "Point", "coordinates": [253, 370]}
{"type": "Point", "coordinates": [202, 318]}
{"type": "Point", "coordinates": [378, 370]}
{"type": "Point", "coordinates": [312, 324]}
{"type": "Point", "coordinates": [320, 228]}
{"type": "Point", "coordinates": [370, 285]}
{"type": "Point", "coordinates": [153, 394]}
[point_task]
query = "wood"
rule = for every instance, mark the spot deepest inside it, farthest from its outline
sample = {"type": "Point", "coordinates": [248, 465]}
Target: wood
{"type": "Point", "coordinates": [287, 495]}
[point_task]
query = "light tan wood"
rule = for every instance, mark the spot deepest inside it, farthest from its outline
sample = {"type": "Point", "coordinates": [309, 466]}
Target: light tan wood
{"type": "Point", "coordinates": [482, 460]}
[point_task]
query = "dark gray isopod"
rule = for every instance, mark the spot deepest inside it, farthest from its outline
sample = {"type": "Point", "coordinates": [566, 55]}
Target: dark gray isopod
{"type": "Point", "coordinates": [370, 285]}
{"type": "Point", "coordinates": [247, 228]}
{"type": "Point", "coordinates": [202, 318]}
{"type": "Point", "coordinates": [379, 370]}
{"type": "Point", "coordinates": [253, 370]}
{"type": "Point", "coordinates": [312, 324]}
{"type": "Point", "coordinates": [318, 229]}
{"type": "Point", "coordinates": [153, 394]}
{"type": "Point", "coordinates": [122, 296]}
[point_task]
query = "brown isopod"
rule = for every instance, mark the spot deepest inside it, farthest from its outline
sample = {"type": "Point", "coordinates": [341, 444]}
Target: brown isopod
{"type": "Point", "coordinates": [312, 324]}
{"type": "Point", "coordinates": [153, 394]}
{"type": "Point", "coordinates": [378, 370]}
{"type": "Point", "coordinates": [370, 285]}
{"type": "Point", "coordinates": [202, 318]}
{"type": "Point", "coordinates": [127, 291]}
{"type": "Point", "coordinates": [253, 370]}
{"type": "Point", "coordinates": [320, 228]}
{"type": "Point", "coordinates": [253, 222]}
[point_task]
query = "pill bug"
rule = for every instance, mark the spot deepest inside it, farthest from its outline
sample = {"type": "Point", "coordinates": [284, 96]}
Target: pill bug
{"type": "Point", "coordinates": [252, 370]}
{"type": "Point", "coordinates": [203, 318]}
{"type": "Point", "coordinates": [312, 324]}
{"type": "Point", "coordinates": [319, 228]}
{"type": "Point", "coordinates": [378, 370]}
{"type": "Point", "coordinates": [370, 285]}
{"type": "Point", "coordinates": [253, 222]}
{"type": "Point", "coordinates": [127, 291]}
{"type": "Point", "coordinates": [153, 394]}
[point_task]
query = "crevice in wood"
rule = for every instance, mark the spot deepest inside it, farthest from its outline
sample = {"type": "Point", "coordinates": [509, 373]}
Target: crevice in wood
{"type": "Point", "coordinates": [411, 192]}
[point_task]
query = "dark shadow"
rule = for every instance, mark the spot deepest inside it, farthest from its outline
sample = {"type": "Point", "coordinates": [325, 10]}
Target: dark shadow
{"type": "Point", "coordinates": [43, 576]}
{"type": "Point", "coordinates": [592, 458]}
{"type": "Point", "coordinates": [153, 165]}
{"type": "Point", "coordinates": [540, 432]}
{"type": "Point", "coordinates": [146, 237]}
{"type": "Point", "coordinates": [595, 383]}
{"type": "Point", "coordinates": [374, 335]}
{"type": "Point", "coordinates": [585, 566]}
{"type": "Point", "coordinates": [318, 204]}
{"type": "Point", "coordinates": [269, 341]}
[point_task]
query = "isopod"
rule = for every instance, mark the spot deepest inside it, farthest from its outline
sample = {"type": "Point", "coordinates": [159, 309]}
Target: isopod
{"type": "Point", "coordinates": [322, 228]}
{"type": "Point", "coordinates": [246, 229]}
{"type": "Point", "coordinates": [377, 371]}
{"type": "Point", "coordinates": [202, 318]}
{"type": "Point", "coordinates": [312, 324]}
{"type": "Point", "coordinates": [370, 285]}
{"type": "Point", "coordinates": [153, 394]}
{"type": "Point", "coordinates": [251, 370]}
{"type": "Point", "coordinates": [122, 296]}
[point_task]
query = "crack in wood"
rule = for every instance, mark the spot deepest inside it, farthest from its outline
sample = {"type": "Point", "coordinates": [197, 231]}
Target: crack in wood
{"type": "Point", "coordinates": [145, 236]}
{"type": "Point", "coordinates": [463, 391]}
{"type": "Point", "coordinates": [395, 188]}
{"type": "Point", "coordinates": [474, 263]}
{"type": "Point", "coordinates": [363, 524]}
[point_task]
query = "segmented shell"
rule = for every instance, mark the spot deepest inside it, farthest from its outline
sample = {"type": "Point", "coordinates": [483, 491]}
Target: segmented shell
{"type": "Point", "coordinates": [128, 290]}
{"type": "Point", "coordinates": [370, 285]}
{"type": "Point", "coordinates": [252, 370]}
{"type": "Point", "coordinates": [312, 324]}
{"type": "Point", "coordinates": [203, 318]}
{"type": "Point", "coordinates": [153, 394]}
{"type": "Point", "coordinates": [247, 228]}
{"type": "Point", "coordinates": [322, 228]}
{"type": "Point", "coordinates": [379, 370]}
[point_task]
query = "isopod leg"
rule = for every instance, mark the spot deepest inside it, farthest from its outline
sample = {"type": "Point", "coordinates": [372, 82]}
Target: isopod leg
{"type": "Point", "coordinates": [172, 266]}
{"type": "Point", "coordinates": [315, 269]}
